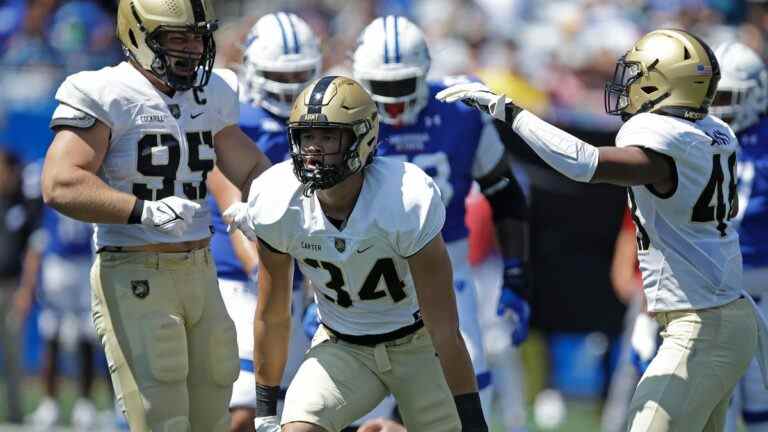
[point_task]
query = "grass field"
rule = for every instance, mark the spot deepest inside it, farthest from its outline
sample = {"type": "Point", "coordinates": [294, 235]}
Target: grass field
{"type": "Point", "coordinates": [582, 416]}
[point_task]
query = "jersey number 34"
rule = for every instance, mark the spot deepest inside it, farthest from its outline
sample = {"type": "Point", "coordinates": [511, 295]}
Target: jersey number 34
{"type": "Point", "coordinates": [383, 268]}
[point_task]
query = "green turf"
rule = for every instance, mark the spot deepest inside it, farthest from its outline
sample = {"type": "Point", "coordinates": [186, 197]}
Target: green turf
{"type": "Point", "coordinates": [582, 416]}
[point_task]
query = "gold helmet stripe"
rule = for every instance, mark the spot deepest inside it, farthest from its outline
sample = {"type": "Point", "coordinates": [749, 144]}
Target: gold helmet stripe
{"type": "Point", "coordinates": [198, 11]}
{"type": "Point", "coordinates": [315, 105]}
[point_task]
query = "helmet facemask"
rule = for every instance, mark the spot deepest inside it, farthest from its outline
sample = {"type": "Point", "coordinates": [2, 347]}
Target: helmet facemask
{"type": "Point", "coordinates": [399, 101]}
{"type": "Point", "coordinates": [319, 169]}
{"type": "Point", "coordinates": [617, 90]}
{"type": "Point", "coordinates": [276, 91]}
{"type": "Point", "coordinates": [182, 69]}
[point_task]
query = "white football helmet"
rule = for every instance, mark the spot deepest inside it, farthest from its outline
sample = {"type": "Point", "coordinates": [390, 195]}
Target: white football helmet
{"type": "Point", "coordinates": [282, 55]}
{"type": "Point", "coordinates": [391, 61]}
{"type": "Point", "coordinates": [742, 95]}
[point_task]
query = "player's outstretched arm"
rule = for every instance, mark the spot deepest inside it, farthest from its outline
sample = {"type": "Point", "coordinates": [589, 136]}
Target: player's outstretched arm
{"type": "Point", "coordinates": [433, 279]}
{"type": "Point", "coordinates": [70, 184]}
{"type": "Point", "coordinates": [271, 326]}
{"type": "Point", "coordinates": [238, 158]}
{"type": "Point", "coordinates": [564, 152]}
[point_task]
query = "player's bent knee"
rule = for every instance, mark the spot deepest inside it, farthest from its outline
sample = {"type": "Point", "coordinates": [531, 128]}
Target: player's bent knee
{"type": "Point", "coordinates": [225, 363]}
{"type": "Point", "coordinates": [167, 348]}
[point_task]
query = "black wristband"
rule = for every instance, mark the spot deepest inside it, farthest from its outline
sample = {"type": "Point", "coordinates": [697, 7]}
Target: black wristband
{"type": "Point", "coordinates": [470, 412]}
{"type": "Point", "coordinates": [511, 110]}
{"type": "Point", "coordinates": [138, 209]}
{"type": "Point", "coordinates": [266, 400]}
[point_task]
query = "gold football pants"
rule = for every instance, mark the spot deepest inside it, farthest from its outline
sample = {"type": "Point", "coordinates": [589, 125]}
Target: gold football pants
{"type": "Point", "coordinates": [169, 342]}
{"type": "Point", "coordinates": [688, 384]}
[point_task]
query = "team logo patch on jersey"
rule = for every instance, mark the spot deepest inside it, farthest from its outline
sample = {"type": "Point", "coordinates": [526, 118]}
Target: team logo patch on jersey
{"type": "Point", "coordinates": [175, 110]}
{"type": "Point", "coordinates": [140, 288]}
{"type": "Point", "coordinates": [341, 244]}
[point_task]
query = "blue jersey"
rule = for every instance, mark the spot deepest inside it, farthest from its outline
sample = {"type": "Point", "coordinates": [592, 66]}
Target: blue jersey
{"type": "Point", "coordinates": [64, 236]}
{"type": "Point", "coordinates": [451, 142]}
{"type": "Point", "coordinates": [753, 194]}
{"type": "Point", "coordinates": [269, 132]}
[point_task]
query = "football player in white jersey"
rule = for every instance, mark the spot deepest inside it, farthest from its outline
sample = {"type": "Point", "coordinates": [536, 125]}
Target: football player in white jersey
{"type": "Point", "coordinates": [741, 100]}
{"type": "Point", "coordinates": [282, 55]}
{"type": "Point", "coordinates": [365, 231]}
{"type": "Point", "coordinates": [680, 166]}
{"type": "Point", "coordinates": [132, 148]}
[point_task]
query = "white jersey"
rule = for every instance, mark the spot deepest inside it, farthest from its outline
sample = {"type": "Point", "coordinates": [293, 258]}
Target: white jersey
{"type": "Point", "coordinates": [688, 248]}
{"type": "Point", "coordinates": [361, 275]}
{"type": "Point", "coordinates": [159, 146]}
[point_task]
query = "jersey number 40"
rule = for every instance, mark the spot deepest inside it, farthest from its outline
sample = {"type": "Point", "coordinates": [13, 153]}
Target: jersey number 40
{"type": "Point", "coordinates": [712, 205]}
{"type": "Point", "coordinates": [705, 210]}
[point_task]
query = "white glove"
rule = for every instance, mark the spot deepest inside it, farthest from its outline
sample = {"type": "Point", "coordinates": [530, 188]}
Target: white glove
{"type": "Point", "coordinates": [478, 96]}
{"type": "Point", "coordinates": [236, 217]}
{"type": "Point", "coordinates": [171, 215]}
{"type": "Point", "coordinates": [644, 337]}
{"type": "Point", "coordinates": [267, 424]}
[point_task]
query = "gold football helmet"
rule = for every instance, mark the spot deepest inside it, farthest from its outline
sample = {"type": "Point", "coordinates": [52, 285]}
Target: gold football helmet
{"type": "Point", "coordinates": [140, 23]}
{"type": "Point", "coordinates": [667, 72]}
{"type": "Point", "coordinates": [339, 103]}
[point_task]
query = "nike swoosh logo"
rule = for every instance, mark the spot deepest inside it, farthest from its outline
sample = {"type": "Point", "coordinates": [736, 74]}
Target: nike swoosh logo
{"type": "Point", "coordinates": [196, 115]}
{"type": "Point", "coordinates": [168, 211]}
{"type": "Point", "coordinates": [363, 250]}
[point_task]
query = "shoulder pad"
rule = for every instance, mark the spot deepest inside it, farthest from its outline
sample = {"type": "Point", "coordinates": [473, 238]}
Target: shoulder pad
{"type": "Point", "coordinates": [86, 92]}
{"type": "Point", "coordinates": [65, 115]}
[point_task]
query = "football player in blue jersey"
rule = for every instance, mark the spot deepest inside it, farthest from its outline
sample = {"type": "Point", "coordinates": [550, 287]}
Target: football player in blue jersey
{"type": "Point", "coordinates": [281, 56]}
{"type": "Point", "coordinates": [58, 260]}
{"type": "Point", "coordinates": [741, 100]}
{"type": "Point", "coordinates": [456, 146]}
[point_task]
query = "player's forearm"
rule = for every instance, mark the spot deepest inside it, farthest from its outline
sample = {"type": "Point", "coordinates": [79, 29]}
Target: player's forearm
{"type": "Point", "coordinates": [82, 195]}
{"type": "Point", "coordinates": [454, 358]}
{"type": "Point", "coordinates": [261, 165]}
{"type": "Point", "coordinates": [562, 151]}
{"type": "Point", "coordinates": [270, 349]}
{"type": "Point", "coordinates": [238, 158]}
{"type": "Point", "coordinates": [245, 251]}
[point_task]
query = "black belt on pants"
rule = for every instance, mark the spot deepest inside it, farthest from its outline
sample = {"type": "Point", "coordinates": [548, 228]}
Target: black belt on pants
{"type": "Point", "coordinates": [375, 339]}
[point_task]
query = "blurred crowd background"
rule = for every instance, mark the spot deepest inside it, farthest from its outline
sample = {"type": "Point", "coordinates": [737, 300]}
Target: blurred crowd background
{"type": "Point", "coordinates": [552, 56]}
